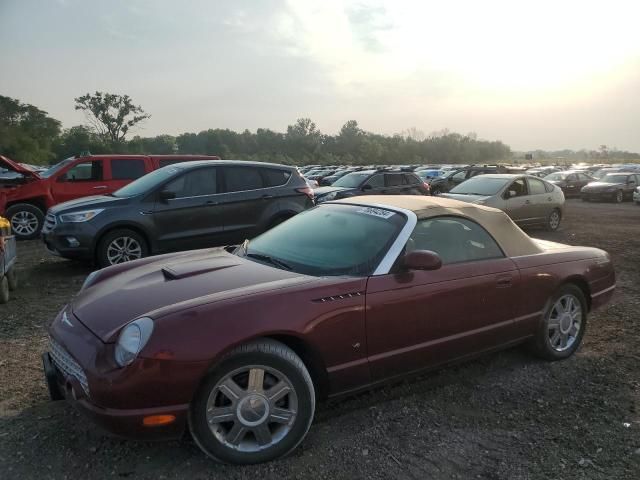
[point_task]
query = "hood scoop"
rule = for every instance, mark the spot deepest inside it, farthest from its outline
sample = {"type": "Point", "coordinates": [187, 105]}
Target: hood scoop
{"type": "Point", "coordinates": [177, 271]}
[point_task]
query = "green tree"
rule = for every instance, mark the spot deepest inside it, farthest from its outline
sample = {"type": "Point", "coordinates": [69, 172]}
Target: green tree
{"type": "Point", "coordinates": [110, 115]}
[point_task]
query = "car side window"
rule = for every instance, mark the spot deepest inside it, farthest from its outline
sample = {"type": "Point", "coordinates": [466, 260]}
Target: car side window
{"type": "Point", "coordinates": [455, 239]}
{"type": "Point", "coordinates": [393, 179]}
{"type": "Point", "coordinates": [195, 183]}
{"type": "Point", "coordinates": [274, 177]}
{"type": "Point", "coordinates": [410, 179]}
{"type": "Point", "coordinates": [127, 169]}
{"type": "Point", "coordinates": [239, 179]}
{"type": "Point", "coordinates": [519, 186]}
{"type": "Point", "coordinates": [85, 172]}
{"type": "Point", "coordinates": [536, 187]}
{"type": "Point", "coordinates": [376, 181]}
{"type": "Point", "coordinates": [459, 176]}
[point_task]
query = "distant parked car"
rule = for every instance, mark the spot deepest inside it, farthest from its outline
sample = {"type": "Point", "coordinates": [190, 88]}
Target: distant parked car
{"type": "Point", "coordinates": [29, 196]}
{"type": "Point", "coordinates": [455, 177]}
{"type": "Point", "coordinates": [373, 182]}
{"type": "Point", "coordinates": [636, 195]}
{"type": "Point", "coordinates": [179, 207]}
{"type": "Point", "coordinates": [428, 175]}
{"type": "Point", "coordinates": [330, 179]}
{"type": "Point", "coordinates": [570, 181]}
{"type": "Point", "coordinates": [615, 187]}
{"type": "Point", "coordinates": [528, 200]}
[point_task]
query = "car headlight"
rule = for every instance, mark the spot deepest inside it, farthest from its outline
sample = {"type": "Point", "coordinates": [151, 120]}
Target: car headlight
{"type": "Point", "coordinates": [132, 340]}
{"type": "Point", "coordinates": [83, 216]}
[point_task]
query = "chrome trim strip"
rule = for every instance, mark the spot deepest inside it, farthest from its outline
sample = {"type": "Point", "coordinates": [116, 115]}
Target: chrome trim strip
{"type": "Point", "coordinates": [593, 295]}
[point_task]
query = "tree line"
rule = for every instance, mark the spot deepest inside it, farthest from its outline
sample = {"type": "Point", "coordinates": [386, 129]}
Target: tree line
{"type": "Point", "coordinates": [30, 135]}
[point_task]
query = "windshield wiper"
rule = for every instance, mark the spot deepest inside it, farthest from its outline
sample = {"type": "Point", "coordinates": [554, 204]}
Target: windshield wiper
{"type": "Point", "coordinates": [268, 259]}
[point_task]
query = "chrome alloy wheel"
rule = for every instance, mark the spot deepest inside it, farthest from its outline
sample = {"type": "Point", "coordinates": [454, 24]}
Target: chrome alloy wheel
{"type": "Point", "coordinates": [123, 249]}
{"type": "Point", "coordinates": [564, 323]}
{"type": "Point", "coordinates": [24, 223]}
{"type": "Point", "coordinates": [252, 408]}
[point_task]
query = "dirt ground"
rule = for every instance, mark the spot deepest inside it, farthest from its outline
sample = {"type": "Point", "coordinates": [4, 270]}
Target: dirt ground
{"type": "Point", "coordinates": [503, 416]}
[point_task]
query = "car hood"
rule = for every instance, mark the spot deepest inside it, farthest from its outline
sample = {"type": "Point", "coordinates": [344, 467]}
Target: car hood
{"type": "Point", "coordinates": [96, 201]}
{"type": "Point", "coordinates": [465, 198]}
{"type": "Point", "coordinates": [324, 190]}
{"type": "Point", "coordinates": [122, 293]}
{"type": "Point", "coordinates": [599, 185]}
{"type": "Point", "coordinates": [9, 164]}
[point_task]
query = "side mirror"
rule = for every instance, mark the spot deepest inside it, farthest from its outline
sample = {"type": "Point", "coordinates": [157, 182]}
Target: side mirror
{"type": "Point", "coordinates": [366, 187]}
{"type": "Point", "coordinates": [422, 260]}
{"type": "Point", "coordinates": [166, 195]}
{"type": "Point", "coordinates": [62, 178]}
{"type": "Point", "coordinates": [512, 193]}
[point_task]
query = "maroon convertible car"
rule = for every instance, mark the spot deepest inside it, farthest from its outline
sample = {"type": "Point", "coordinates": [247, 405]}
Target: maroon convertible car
{"type": "Point", "coordinates": [237, 344]}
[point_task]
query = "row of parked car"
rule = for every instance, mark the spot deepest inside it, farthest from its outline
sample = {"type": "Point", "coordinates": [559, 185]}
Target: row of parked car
{"type": "Point", "coordinates": [115, 208]}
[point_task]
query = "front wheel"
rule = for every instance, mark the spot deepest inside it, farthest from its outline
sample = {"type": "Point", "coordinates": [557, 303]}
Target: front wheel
{"type": "Point", "coordinates": [255, 406]}
{"type": "Point", "coordinates": [121, 246]}
{"type": "Point", "coordinates": [26, 220]}
{"type": "Point", "coordinates": [563, 325]}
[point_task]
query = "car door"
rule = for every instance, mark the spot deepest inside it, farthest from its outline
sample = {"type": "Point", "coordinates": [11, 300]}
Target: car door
{"type": "Point", "coordinates": [193, 218]}
{"type": "Point", "coordinates": [517, 202]}
{"type": "Point", "coordinates": [246, 202]}
{"type": "Point", "coordinates": [541, 202]}
{"type": "Point", "coordinates": [80, 180]}
{"type": "Point", "coordinates": [417, 319]}
{"type": "Point", "coordinates": [122, 171]}
{"type": "Point", "coordinates": [375, 185]}
{"type": "Point", "coordinates": [394, 183]}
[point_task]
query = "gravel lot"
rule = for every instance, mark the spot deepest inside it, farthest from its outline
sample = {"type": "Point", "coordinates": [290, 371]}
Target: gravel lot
{"type": "Point", "coordinates": [502, 416]}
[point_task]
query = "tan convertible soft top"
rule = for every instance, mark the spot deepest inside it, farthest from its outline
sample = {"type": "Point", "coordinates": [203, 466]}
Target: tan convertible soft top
{"type": "Point", "coordinates": [512, 239]}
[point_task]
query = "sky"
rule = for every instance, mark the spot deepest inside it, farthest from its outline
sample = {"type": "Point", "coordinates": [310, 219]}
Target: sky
{"type": "Point", "coordinates": [548, 74]}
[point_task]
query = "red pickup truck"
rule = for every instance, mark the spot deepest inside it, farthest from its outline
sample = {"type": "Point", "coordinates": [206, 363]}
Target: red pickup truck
{"type": "Point", "coordinates": [25, 197]}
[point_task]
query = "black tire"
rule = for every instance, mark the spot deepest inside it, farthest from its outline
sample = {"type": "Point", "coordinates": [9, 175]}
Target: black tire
{"type": "Point", "coordinates": [12, 278]}
{"type": "Point", "coordinates": [541, 343]}
{"type": "Point", "coordinates": [4, 290]}
{"type": "Point", "coordinates": [267, 354]}
{"type": "Point", "coordinates": [618, 197]}
{"type": "Point", "coordinates": [28, 211]}
{"type": "Point", "coordinates": [553, 220]}
{"type": "Point", "coordinates": [102, 253]}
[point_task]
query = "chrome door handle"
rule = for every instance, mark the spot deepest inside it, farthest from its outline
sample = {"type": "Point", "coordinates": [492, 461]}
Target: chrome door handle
{"type": "Point", "coordinates": [100, 187]}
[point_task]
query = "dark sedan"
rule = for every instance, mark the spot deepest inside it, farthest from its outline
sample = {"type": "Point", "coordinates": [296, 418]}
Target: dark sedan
{"type": "Point", "coordinates": [615, 187]}
{"type": "Point", "coordinates": [373, 182]}
{"type": "Point", "coordinates": [569, 181]}
{"type": "Point", "coordinates": [235, 345]}
{"type": "Point", "coordinates": [178, 207]}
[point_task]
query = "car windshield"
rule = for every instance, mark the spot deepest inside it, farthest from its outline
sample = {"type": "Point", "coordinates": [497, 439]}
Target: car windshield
{"type": "Point", "coordinates": [351, 180]}
{"type": "Point", "coordinates": [56, 168]}
{"type": "Point", "coordinates": [601, 173]}
{"type": "Point", "coordinates": [330, 240]}
{"type": "Point", "coordinates": [556, 176]}
{"type": "Point", "coordinates": [614, 178]}
{"type": "Point", "coordinates": [480, 186]}
{"type": "Point", "coordinates": [147, 182]}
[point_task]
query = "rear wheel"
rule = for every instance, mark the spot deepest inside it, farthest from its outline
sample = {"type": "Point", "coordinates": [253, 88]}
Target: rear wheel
{"type": "Point", "coordinates": [26, 220]}
{"type": "Point", "coordinates": [121, 246]}
{"type": "Point", "coordinates": [618, 197]}
{"type": "Point", "coordinates": [4, 290]}
{"type": "Point", "coordinates": [256, 405]}
{"type": "Point", "coordinates": [563, 325]}
{"type": "Point", "coordinates": [553, 220]}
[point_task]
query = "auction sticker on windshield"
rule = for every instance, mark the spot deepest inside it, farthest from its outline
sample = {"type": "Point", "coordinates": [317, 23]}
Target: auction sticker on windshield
{"type": "Point", "coordinates": [376, 212]}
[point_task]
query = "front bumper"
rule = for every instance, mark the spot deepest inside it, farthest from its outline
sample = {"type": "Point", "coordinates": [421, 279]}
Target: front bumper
{"type": "Point", "coordinates": [118, 399]}
{"type": "Point", "coordinates": [70, 240]}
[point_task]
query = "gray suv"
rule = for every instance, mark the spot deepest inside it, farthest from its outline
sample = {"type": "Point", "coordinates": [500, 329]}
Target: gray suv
{"type": "Point", "coordinates": [179, 207]}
